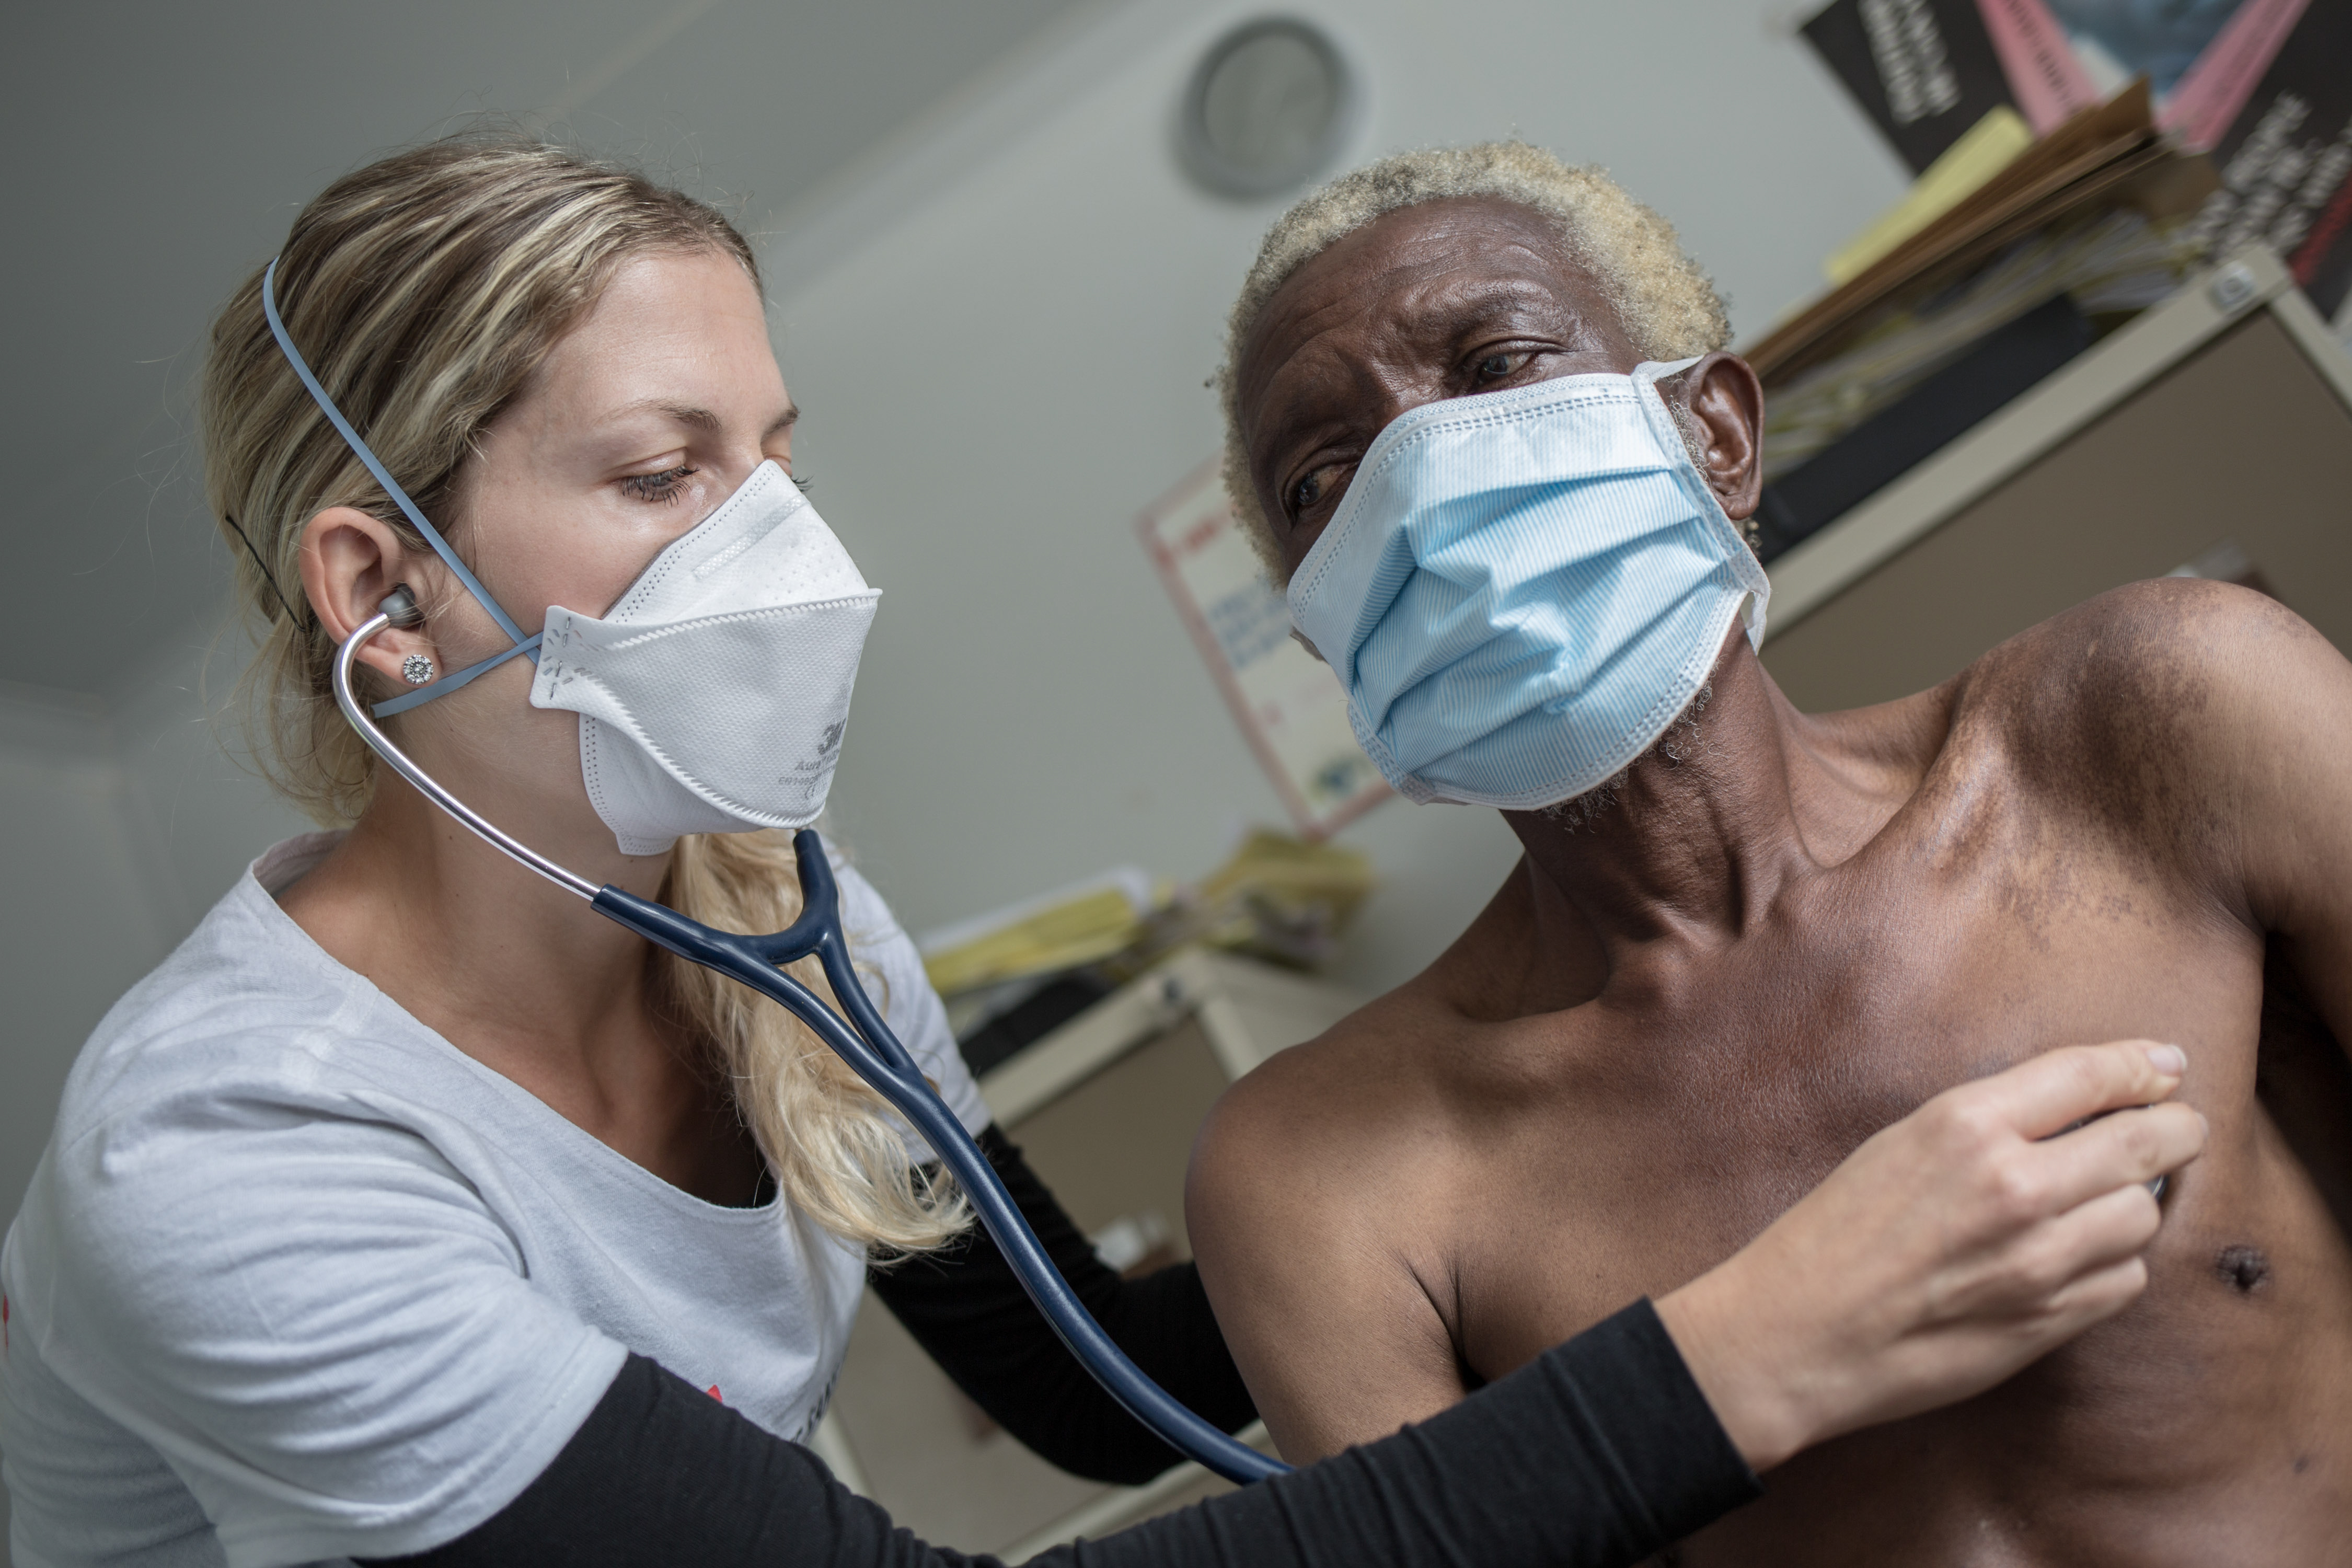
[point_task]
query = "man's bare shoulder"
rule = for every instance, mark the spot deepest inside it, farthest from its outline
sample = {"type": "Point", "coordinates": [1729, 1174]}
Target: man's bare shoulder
{"type": "Point", "coordinates": [1376, 1116]}
{"type": "Point", "coordinates": [1316, 1205]}
{"type": "Point", "coordinates": [1327, 1105]}
{"type": "Point", "coordinates": [2136, 710]}
{"type": "Point", "coordinates": [2155, 637]}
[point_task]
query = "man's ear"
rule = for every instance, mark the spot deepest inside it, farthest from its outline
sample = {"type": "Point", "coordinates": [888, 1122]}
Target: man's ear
{"type": "Point", "coordinates": [351, 562]}
{"type": "Point", "coordinates": [1727, 401]}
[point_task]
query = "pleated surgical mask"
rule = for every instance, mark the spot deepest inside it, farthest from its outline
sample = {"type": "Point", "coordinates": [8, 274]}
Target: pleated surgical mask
{"type": "Point", "coordinates": [1522, 589]}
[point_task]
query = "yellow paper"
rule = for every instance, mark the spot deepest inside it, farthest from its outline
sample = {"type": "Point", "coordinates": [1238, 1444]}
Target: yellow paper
{"type": "Point", "coordinates": [1281, 897]}
{"type": "Point", "coordinates": [1082, 929]}
{"type": "Point", "coordinates": [1985, 150]}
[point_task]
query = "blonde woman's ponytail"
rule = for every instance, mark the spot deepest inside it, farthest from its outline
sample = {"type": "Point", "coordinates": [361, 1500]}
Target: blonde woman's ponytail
{"type": "Point", "coordinates": [838, 1156]}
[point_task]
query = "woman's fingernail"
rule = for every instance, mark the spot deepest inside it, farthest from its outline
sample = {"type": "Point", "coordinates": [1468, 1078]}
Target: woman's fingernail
{"type": "Point", "coordinates": [2171, 1060]}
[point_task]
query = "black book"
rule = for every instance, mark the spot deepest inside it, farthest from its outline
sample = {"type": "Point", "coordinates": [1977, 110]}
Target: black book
{"type": "Point", "coordinates": [2286, 160]}
{"type": "Point", "coordinates": [1016, 1028]}
{"type": "Point", "coordinates": [1924, 70]}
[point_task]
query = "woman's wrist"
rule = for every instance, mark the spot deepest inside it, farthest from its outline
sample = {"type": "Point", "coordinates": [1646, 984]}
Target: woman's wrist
{"type": "Point", "coordinates": [1753, 1386]}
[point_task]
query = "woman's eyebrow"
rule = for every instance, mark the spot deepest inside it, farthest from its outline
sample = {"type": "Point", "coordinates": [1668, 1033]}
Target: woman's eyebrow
{"type": "Point", "coordinates": [683, 413]}
{"type": "Point", "coordinates": [703, 418]}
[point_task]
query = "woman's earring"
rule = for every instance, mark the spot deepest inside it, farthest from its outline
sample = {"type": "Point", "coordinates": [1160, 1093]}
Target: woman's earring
{"type": "Point", "coordinates": [416, 669]}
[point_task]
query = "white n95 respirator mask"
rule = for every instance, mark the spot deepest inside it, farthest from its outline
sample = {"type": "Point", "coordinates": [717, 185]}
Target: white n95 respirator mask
{"type": "Point", "coordinates": [713, 695]}
{"type": "Point", "coordinates": [1523, 588]}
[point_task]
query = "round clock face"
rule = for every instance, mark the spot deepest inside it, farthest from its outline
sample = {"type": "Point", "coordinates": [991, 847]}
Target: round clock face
{"type": "Point", "coordinates": [1266, 108]}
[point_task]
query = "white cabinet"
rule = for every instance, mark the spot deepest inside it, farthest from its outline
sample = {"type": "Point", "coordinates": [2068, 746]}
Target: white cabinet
{"type": "Point", "coordinates": [2220, 417]}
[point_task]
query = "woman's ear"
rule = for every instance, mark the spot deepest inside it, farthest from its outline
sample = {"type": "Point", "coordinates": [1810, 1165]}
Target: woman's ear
{"type": "Point", "coordinates": [350, 564]}
{"type": "Point", "coordinates": [1728, 403]}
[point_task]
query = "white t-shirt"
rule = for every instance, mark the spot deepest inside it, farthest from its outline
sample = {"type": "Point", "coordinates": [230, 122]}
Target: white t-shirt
{"type": "Point", "coordinates": [298, 1281]}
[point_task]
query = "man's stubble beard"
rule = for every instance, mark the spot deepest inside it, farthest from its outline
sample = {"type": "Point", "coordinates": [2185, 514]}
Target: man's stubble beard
{"type": "Point", "coordinates": [1679, 744]}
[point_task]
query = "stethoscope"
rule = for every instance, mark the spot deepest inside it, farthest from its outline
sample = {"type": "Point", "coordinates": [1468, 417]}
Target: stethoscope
{"type": "Point", "coordinates": [863, 1041]}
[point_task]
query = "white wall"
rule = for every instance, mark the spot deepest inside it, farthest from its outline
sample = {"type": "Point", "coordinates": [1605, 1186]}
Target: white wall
{"type": "Point", "coordinates": [999, 378]}
{"type": "Point", "coordinates": [122, 823]}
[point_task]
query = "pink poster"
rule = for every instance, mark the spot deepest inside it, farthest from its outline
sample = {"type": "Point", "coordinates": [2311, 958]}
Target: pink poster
{"type": "Point", "coordinates": [2225, 75]}
{"type": "Point", "coordinates": [2048, 81]}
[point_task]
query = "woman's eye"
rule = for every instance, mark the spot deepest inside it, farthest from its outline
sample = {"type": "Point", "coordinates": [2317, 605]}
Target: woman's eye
{"type": "Point", "coordinates": [661, 487]}
{"type": "Point", "coordinates": [1309, 491]}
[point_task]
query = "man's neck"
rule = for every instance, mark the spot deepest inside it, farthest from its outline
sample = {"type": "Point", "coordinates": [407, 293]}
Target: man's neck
{"type": "Point", "coordinates": [1702, 833]}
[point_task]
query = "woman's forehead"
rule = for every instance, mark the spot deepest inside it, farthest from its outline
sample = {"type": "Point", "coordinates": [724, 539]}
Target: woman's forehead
{"type": "Point", "coordinates": [684, 329]}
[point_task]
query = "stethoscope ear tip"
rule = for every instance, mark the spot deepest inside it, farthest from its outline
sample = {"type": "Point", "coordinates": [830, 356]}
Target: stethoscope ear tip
{"type": "Point", "coordinates": [400, 608]}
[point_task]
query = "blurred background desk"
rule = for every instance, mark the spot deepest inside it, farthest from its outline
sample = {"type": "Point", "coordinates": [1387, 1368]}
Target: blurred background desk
{"type": "Point", "coordinates": [2213, 432]}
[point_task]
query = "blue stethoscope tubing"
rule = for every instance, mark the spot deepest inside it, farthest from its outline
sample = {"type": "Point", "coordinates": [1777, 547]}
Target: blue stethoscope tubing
{"type": "Point", "coordinates": [869, 1048]}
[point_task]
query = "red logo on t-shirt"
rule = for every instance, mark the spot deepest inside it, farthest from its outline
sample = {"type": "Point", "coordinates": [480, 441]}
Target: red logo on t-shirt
{"type": "Point", "coordinates": [713, 1392]}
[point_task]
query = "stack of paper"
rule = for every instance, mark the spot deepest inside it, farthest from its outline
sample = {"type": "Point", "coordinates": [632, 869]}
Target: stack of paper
{"type": "Point", "coordinates": [2005, 263]}
{"type": "Point", "coordinates": [2108, 156]}
{"type": "Point", "coordinates": [1278, 898]}
{"type": "Point", "coordinates": [1014, 975]}
{"type": "Point", "coordinates": [2265, 86]}
{"type": "Point", "coordinates": [1083, 923]}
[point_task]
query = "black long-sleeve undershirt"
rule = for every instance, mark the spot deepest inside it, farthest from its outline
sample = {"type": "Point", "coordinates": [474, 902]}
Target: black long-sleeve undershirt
{"type": "Point", "coordinates": [1595, 1455]}
{"type": "Point", "coordinates": [1592, 1455]}
{"type": "Point", "coordinates": [966, 1307]}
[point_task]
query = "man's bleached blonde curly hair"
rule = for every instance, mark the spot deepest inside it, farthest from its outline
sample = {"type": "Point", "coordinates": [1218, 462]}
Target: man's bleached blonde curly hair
{"type": "Point", "coordinates": [1668, 306]}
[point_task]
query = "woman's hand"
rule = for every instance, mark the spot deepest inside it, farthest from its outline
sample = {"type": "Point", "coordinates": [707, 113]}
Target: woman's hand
{"type": "Point", "coordinates": [1948, 1251]}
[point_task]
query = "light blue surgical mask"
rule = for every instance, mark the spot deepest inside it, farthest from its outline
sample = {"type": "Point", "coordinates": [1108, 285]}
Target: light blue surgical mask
{"type": "Point", "coordinates": [1522, 589]}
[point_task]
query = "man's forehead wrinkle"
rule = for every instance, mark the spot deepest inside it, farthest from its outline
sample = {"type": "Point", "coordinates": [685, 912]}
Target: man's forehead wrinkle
{"type": "Point", "coordinates": [1414, 325]}
{"type": "Point", "coordinates": [1479, 227]}
{"type": "Point", "coordinates": [1442, 309]}
{"type": "Point", "coordinates": [1473, 241]}
{"type": "Point", "coordinates": [1303, 398]}
{"type": "Point", "coordinates": [1295, 321]}
{"type": "Point", "coordinates": [1409, 301]}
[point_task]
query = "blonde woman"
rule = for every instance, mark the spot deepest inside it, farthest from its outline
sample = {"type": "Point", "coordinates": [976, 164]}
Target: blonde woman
{"type": "Point", "coordinates": [413, 1209]}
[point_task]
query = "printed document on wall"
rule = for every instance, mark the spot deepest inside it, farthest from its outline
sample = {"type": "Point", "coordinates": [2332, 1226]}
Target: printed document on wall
{"type": "Point", "coordinates": [1289, 706]}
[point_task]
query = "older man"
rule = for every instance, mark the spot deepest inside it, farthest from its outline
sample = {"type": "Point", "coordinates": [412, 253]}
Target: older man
{"type": "Point", "coordinates": [1743, 938]}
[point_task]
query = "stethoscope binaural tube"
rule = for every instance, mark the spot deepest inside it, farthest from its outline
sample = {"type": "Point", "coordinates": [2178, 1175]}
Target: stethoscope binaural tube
{"type": "Point", "coordinates": [863, 1041]}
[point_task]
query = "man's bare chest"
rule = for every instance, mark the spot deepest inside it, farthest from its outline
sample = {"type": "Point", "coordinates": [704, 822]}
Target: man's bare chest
{"type": "Point", "coordinates": [1697, 1108]}
{"type": "Point", "coordinates": [1728, 1082]}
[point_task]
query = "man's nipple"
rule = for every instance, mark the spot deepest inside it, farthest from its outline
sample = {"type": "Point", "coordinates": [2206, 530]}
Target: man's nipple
{"type": "Point", "coordinates": [2241, 1267]}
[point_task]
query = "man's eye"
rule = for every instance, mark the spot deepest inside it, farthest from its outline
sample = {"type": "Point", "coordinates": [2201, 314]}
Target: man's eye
{"type": "Point", "coordinates": [1323, 484]}
{"type": "Point", "coordinates": [1495, 366]}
